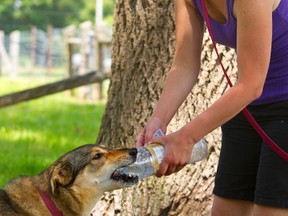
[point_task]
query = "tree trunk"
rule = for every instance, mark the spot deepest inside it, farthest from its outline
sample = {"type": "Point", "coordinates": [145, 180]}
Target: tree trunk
{"type": "Point", "coordinates": [143, 46]}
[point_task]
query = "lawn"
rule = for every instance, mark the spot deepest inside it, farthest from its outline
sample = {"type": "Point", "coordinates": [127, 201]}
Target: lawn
{"type": "Point", "coordinates": [34, 134]}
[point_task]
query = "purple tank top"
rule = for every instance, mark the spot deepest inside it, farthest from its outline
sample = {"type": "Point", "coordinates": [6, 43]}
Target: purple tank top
{"type": "Point", "coordinates": [276, 84]}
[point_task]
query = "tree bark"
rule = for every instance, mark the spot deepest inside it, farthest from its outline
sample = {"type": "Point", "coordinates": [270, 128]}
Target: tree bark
{"type": "Point", "coordinates": [143, 47]}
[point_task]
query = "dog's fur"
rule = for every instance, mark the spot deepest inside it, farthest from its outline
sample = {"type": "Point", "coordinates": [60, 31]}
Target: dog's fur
{"type": "Point", "coordinates": [74, 182]}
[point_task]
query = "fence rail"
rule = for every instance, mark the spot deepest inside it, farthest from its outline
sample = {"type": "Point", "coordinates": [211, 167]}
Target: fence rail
{"type": "Point", "coordinates": [70, 83]}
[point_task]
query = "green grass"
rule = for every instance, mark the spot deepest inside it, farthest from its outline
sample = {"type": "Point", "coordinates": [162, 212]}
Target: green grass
{"type": "Point", "coordinates": [34, 134]}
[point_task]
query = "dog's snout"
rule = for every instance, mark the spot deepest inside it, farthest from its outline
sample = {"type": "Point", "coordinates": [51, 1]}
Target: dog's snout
{"type": "Point", "coordinates": [133, 151]}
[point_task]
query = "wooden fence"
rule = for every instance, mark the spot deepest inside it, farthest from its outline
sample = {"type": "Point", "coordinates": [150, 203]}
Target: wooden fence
{"type": "Point", "coordinates": [86, 49]}
{"type": "Point", "coordinates": [29, 50]}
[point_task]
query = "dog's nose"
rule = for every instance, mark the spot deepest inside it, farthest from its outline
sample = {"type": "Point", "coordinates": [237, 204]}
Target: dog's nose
{"type": "Point", "coordinates": [133, 151]}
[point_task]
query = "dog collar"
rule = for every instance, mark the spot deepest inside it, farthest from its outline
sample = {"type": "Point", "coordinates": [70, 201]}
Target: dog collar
{"type": "Point", "coordinates": [50, 204]}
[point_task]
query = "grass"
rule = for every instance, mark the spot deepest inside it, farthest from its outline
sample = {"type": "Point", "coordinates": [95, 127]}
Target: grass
{"type": "Point", "coordinates": [34, 134]}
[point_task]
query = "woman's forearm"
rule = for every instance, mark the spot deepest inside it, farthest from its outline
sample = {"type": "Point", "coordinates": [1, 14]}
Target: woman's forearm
{"type": "Point", "coordinates": [178, 85]}
{"type": "Point", "coordinates": [225, 108]}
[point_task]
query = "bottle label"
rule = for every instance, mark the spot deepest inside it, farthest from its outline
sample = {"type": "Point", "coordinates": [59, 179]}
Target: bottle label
{"type": "Point", "coordinates": [157, 152]}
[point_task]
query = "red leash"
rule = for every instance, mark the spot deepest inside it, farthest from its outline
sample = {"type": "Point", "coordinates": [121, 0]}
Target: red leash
{"type": "Point", "coordinates": [247, 114]}
{"type": "Point", "coordinates": [50, 204]}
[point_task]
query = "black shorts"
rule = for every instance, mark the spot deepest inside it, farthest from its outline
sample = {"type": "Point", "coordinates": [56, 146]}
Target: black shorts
{"type": "Point", "coordinates": [248, 169]}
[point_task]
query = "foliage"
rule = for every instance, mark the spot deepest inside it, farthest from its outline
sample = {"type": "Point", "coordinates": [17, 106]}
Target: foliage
{"type": "Point", "coordinates": [34, 134]}
{"type": "Point", "coordinates": [22, 14]}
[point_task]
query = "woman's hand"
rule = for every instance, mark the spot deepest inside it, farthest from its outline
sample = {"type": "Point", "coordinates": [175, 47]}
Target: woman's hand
{"type": "Point", "coordinates": [147, 133]}
{"type": "Point", "coordinates": [178, 148]}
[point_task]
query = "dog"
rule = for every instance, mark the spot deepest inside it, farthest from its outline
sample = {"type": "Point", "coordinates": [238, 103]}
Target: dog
{"type": "Point", "coordinates": [70, 186]}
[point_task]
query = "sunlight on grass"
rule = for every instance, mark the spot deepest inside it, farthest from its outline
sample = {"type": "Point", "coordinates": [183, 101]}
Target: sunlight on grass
{"type": "Point", "coordinates": [13, 135]}
{"type": "Point", "coordinates": [34, 134]}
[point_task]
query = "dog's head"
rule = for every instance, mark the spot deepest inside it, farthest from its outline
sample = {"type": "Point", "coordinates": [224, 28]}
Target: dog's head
{"type": "Point", "coordinates": [92, 166]}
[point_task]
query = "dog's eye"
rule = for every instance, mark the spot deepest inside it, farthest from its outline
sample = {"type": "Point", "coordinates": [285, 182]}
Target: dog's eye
{"type": "Point", "coordinates": [98, 156]}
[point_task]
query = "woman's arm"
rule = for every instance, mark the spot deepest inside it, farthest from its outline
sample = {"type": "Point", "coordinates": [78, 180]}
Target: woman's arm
{"type": "Point", "coordinates": [185, 67]}
{"type": "Point", "coordinates": [254, 38]}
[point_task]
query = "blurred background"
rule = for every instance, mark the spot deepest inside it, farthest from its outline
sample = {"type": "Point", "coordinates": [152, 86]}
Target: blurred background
{"type": "Point", "coordinates": [42, 42]}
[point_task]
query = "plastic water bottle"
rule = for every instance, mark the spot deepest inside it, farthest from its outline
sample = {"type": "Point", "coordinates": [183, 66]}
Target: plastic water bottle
{"type": "Point", "coordinates": [150, 157]}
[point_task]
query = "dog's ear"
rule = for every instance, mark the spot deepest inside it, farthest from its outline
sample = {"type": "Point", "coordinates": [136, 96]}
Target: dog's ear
{"type": "Point", "coordinates": [60, 175]}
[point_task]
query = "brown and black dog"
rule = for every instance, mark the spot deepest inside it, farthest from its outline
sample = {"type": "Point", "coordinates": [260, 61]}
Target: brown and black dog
{"type": "Point", "coordinates": [72, 184]}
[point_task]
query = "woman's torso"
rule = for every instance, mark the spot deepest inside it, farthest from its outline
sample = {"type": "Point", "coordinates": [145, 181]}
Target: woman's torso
{"type": "Point", "coordinates": [224, 26]}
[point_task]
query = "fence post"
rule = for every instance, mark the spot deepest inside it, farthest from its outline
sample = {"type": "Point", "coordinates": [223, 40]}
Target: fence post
{"type": "Point", "coordinates": [92, 42]}
{"type": "Point", "coordinates": [49, 49]}
{"type": "Point", "coordinates": [33, 41]}
{"type": "Point", "coordinates": [85, 29]}
{"type": "Point", "coordinates": [14, 52]}
{"type": "Point", "coordinates": [1, 44]}
{"type": "Point", "coordinates": [69, 32]}
{"type": "Point", "coordinates": [5, 59]}
{"type": "Point", "coordinates": [103, 39]}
